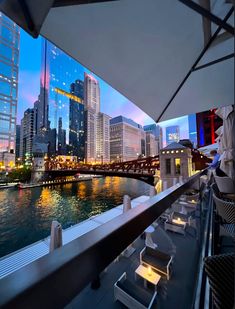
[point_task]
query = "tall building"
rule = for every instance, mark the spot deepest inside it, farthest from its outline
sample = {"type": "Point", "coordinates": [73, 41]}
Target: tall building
{"type": "Point", "coordinates": [143, 143]}
{"type": "Point", "coordinates": [192, 126]}
{"type": "Point", "coordinates": [61, 138]}
{"type": "Point", "coordinates": [38, 116]}
{"type": "Point", "coordinates": [92, 109]}
{"type": "Point", "coordinates": [9, 64]}
{"type": "Point", "coordinates": [90, 135]}
{"type": "Point", "coordinates": [172, 134]}
{"type": "Point", "coordinates": [125, 139]}
{"type": "Point", "coordinates": [26, 135]}
{"type": "Point", "coordinates": [103, 138]}
{"type": "Point", "coordinates": [153, 128]}
{"type": "Point", "coordinates": [91, 93]}
{"type": "Point", "coordinates": [17, 151]}
{"type": "Point", "coordinates": [156, 131]}
{"type": "Point", "coordinates": [76, 121]}
{"type": "Point", "coordinates": [207, 123]}
{"type": "Point", "coordinates": [57, 99]}
{"type": "Point", "coordinates": [151, 145]}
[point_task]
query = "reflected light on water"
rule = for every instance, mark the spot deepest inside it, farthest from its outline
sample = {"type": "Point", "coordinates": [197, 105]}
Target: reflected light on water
{"type": "Point", "coordinates": [26, 215]}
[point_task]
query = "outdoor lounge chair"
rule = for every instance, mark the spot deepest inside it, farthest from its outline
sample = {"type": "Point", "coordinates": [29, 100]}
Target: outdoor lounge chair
{"type": "Point", "coordinates": [225, 184]}
{"type": "Point", "coordinates": [157, 260]}
{"type": "Point", "coordinates": [132, 295]}
{"type": "Point", "coordinates": [226, 211]}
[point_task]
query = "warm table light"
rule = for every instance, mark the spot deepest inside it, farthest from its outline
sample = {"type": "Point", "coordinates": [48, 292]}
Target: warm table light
{"type": "Point", "coordinates": [149, 271]}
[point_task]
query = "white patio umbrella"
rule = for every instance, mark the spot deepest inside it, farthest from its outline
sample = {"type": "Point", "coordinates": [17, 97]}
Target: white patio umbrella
{"type": "Point", "coordinates": [184, 55]}
{"type": "Point", "coordinates": [227, 157]}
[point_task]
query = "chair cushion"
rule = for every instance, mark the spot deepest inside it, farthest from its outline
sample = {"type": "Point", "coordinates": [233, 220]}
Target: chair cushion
{"type": "Point", "coordinates": [135, 291]}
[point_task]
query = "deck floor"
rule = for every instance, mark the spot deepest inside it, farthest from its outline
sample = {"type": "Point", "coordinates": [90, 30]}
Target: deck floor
{"type": "Point", "coordinates": [176, 293]}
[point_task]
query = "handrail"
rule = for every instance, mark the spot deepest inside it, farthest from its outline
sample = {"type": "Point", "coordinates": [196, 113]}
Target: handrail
{"type": "Point", "coordinates": [55, 279]}
{"type": "Point", "coordinates": [202, 295]}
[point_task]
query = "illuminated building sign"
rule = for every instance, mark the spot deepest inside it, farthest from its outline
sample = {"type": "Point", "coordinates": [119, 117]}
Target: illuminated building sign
{"type": "Point", "coordinates": [68, 95]}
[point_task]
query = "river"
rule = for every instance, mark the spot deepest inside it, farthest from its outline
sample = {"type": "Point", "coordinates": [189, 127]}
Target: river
{"type": "Point", "coordinates": [26, 215]}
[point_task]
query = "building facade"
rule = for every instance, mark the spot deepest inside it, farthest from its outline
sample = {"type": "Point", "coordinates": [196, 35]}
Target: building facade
{"type": "Point", "coordinates": [207, 123]}
{"type": "Point", "coordinates": [103, 138]}
{"type": "Point", "coordinates": [192, 126]}
{"type": "Point", "coordinates": [175, 163]}
{"type": "Point", "coordinates": [93, 121]}
{"type": "Point", "coordinates": [17, 151]}
{"type": "Point", "coordinates": [27, 135]}
{"type": "Point", "coordinates": [151, 145]}
{"type": "Point", "coordinates": [76, 121]}
{"type": "Point", "coordinates": [125, 139]}
{"type": "Point", "coordinates": [155, 130]}
{"type": "Point", "coordinates": [9, 65]}
{"type": "Point", "coordinates": [60, 105]}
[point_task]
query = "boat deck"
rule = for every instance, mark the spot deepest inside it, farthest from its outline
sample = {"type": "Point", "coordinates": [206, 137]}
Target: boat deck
{"type": "Point", "coordinates": [24, 256]}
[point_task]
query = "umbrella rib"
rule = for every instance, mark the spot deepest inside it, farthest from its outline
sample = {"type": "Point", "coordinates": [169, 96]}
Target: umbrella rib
{"type": "Point", "coordinates": [214, 62]}
{"type": "Point", "coordinates": [195, 64]}
{"type": "Point", "coordinates": [204, 12]}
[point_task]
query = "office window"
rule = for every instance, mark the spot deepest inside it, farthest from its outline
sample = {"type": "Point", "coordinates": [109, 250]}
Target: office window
{"type": "Point", "coordinates": [177, 166]}
{"type": "Point", "coordinates": [168, 166]}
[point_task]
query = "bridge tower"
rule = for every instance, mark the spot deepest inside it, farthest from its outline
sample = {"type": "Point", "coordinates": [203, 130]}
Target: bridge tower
{"type": "Point", "coordinates": [175, 163]}
{"type": "Point", "coordinates": [38, 168]}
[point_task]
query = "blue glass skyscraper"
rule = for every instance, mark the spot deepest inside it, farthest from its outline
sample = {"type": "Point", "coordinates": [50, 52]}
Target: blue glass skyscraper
{"type": "Point", "coordinates": [76, 121]}
{"type": "Point", "coordinates": [61, 100]}
{"type": "Point", "coordinates": [9, 62]}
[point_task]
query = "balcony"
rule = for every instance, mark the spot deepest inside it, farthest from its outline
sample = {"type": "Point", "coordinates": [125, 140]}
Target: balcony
{"type": "Point", "coordinates": [83, 272]}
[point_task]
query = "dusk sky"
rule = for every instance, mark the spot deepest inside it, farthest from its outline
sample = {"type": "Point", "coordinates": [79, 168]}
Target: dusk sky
{"type": "Point", "coordinates": [112, 102]}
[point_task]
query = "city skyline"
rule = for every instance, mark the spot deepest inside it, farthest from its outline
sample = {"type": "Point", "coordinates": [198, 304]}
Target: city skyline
{"type": "Point", "coordinates": [112, 102]}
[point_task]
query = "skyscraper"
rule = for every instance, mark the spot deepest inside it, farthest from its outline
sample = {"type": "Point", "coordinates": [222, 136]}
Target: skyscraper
{"type": "Point", "coordinates": [151, 144]}
{"type": "Point", "coordinates": [57, 100]}
{"type": "Point", "coordinates": [38, 116]}
{"type": "Point", "coordinates": [9, 63]}
{"type": "Point", "coordinates": [103, 138]}
{"type": "Point", "coordinates": [125, 139]}
{"type": "Point", "coordinates": [92, 109]}
{"type": "Point", "coordinates": [91, 93]}
{"type": "Point", "coordinates": [156, 131]}
{"type": "Point", "coordinates": [26, 135]}
{"type": "Point", "coordinates": [207, 123]}
{"type": "Point", "coordinates": [76, 121]}
{"type": "Point", "coordinates": [192, 126]}
{"type": "Point", "coordinates": [17, 152]}
{"type": "Point", "coordinates": [61, 138]}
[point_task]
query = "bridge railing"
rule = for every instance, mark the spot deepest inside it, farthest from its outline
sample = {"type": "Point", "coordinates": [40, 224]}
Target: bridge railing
{"type": "Point", "coordinates": [55, 279]}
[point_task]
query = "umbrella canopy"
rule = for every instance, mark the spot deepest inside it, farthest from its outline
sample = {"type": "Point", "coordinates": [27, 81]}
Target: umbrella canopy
{"type": "Point", "coordinates": [228, 154]}
{"type": "Point", "coordinates": [170, 58]}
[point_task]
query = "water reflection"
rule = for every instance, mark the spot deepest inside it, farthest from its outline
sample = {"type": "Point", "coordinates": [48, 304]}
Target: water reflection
{"type": "Point", "coordinates": [26, 215]}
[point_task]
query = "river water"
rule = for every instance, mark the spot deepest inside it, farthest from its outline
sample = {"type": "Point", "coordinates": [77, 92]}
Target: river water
{"type": "Point", "coordinates": [26, 215]}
